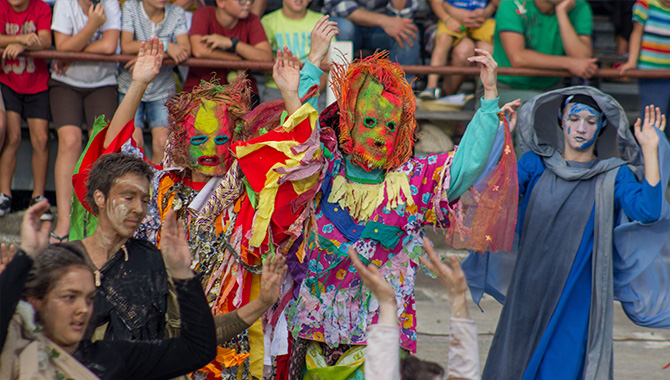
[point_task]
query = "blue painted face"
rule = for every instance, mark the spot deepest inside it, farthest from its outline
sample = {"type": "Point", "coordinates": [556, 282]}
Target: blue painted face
{"type": "Point", "coordinates": [581, 126]}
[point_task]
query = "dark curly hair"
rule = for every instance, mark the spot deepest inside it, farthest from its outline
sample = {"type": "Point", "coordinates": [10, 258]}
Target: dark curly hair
{"type": "Point", "coordinates": [107, 169]}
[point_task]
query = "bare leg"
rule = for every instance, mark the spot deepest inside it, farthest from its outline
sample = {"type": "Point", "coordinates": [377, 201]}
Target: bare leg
{"type": "Point", "coordinates": [39, 138]}
{"type": "Point", "coordinates": [439, 58]}
{"type": "Point", "coordinates": [9, 151]}
{"type": "Point", "coordinates": [138, 137]}
{"type": "Point", "coordinates": [159, 136]}
{"type": "Point", "coordinates": [69, 149]}
{"type": "Point", "coordinates": [459, 58]}
{"type": "Point", "coordinates": [3, 128]}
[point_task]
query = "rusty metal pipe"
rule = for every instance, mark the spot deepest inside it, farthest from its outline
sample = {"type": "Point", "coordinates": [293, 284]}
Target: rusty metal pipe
{"type": "Point", "coordinates": [411, 69]}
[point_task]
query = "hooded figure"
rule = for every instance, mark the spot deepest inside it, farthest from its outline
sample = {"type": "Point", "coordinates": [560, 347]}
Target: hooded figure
{"type": "Point", "coordinates": [575, 249]}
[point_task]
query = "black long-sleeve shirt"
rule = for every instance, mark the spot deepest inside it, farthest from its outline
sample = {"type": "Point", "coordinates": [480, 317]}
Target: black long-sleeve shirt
{"type": "Point", "coordinates": [159, 359]}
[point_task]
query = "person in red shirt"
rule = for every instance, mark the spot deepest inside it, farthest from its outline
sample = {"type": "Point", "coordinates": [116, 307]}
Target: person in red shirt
{"type": "Point", "coordinates": [23, 80]}
{"type": "Point", "coordinates": [227, 31]}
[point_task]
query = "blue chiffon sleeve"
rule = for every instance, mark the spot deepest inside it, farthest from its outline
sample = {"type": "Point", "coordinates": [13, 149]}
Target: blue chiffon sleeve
{"type": "Point", "coordinates": [642, 249]}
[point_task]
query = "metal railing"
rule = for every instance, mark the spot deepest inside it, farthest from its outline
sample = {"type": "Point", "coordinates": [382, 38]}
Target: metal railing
{"type": "Point", "coordinates": [411, 69]}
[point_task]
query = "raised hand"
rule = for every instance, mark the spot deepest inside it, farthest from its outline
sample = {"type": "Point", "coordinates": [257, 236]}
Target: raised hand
{"type": "Point", "coordinates": [644, 132]}
{"type": "Point", "coordinates": [148, 62]}
{"type": "Point", "coordinates": [271, 279]}
{"type": "Point", "coordinates": [176, 253]}
{"type": "Point", "coordinates": [402, 30]}
{"type": "Point", "coordinates": [321, 35]}
{"type": "Point", "coordinates": [510, 112]}
{"type": "Point", "coordinates": [488, 73]}
{"type": "Point", "coordinates": [6, 255]}
{"type": "Point", "coordinates": [450, 276]}
{"type": "Point", "coordinates": [34, 232]}
{"type": "Point", "coordinates": [374, 280]}
{"type": "Point", "coordinates": [286, 71]}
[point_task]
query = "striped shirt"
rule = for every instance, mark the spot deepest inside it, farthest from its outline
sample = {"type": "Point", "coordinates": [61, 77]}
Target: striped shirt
{"type": "Point", "coordinates": [136, 21]}
{"type": "Point", "coordinates": [655, 49]}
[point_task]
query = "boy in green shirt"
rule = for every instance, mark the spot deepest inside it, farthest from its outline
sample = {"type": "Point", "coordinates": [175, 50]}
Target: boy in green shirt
{"type": "Point", "coordinates": [542, 34]}
{"type": "Point", "coordinates": [290, 26]}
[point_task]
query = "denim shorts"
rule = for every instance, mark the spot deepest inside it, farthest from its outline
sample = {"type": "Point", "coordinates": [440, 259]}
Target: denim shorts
{"type": "Point", "coordinates": [155, 113]}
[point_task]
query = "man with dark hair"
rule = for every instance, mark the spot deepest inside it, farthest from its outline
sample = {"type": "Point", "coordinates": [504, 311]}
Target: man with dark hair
{"type": "Point", "coordinates": [110, 167]}
{"type": "Point", "coordinates": [118, 194]}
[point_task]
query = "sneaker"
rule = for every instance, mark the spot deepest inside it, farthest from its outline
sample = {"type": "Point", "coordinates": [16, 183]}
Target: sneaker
{"type": "Point", "coordinates": [432, 93]}
{"type": "Point", "coordinates": [48, 215]}
{"type": "Point", "coordinates": [5, 204]}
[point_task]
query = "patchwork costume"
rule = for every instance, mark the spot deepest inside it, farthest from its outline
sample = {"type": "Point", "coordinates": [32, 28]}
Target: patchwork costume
{"type": "Point", "coordinates": [219, 213]}
{"type": "Point", "coordinates": [381, 214]}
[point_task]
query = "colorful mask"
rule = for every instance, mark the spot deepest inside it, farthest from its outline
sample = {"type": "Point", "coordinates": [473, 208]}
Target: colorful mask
{"type": "Point", "coordinates": [377, 106]}
{"type": "Point", "coordinates": [377, 117]}
{"type": "Point", "coordinates": [204, 122]}
{"type": "Point", "coordinates": [209, 136]}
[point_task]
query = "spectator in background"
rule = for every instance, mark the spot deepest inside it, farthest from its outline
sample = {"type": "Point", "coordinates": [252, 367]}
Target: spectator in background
{"type": "Point", "coordinates": [650, 49]}
{"type": "Point", "coordinates": [227, 31]}
{"type": "Point", "coordinates": [141, 21]}
{"type": "Point", "coordinates": [3, 123]}
{"type": "Point", "coordinates": [378, 24]}
{"type": "Point", "coordinates": [80, 91]}
{"type": "Point", "coordinates": [620, 13]}
{"type": "Point", "coordinates": [291, 26]}
{"type": "Point", "coordinates": [189, 6]}
{"type": "Point", "coordinates": [542, 34]}
{"type": "Point", "coordinates": [465, 25]}
{"type": "Point", "coordinates": [27, 26]}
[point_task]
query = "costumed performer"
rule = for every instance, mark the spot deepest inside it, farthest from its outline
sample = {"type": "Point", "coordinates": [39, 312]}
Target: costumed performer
{"type": "Point", "coordinates": [377, 198]}
{"type": "Point", "coordinates": [208, 119]}
{"type": "Point", "coordinates": [581, 181]}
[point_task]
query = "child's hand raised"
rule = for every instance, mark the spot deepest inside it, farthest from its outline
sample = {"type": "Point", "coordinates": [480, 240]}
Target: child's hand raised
{"type": "Point", "coordinates": [286, 72]}
{"type": "Point", "coordinates": [321, 35]}
{"type": "Point", "coordinates": [148, 62]}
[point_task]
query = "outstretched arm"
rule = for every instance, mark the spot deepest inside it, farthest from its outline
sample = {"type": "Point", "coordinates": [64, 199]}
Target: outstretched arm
{"type": "Point", "coordinates": [286, 73]}
{"type": "Point", "coordinates": [34, 237]}
{"type": "Point", "coordinates": [230, 324]}
{"type": "Point", "coordinates": [382, 358]}
{"type": "Point", "coordinates": [648, 139]}
{"type": "Point", "coordinates": [475, 148]}
{"type": "Point", "coordinates": [147, 66]}
{"type": "Point", "coordinates": [463, 351]}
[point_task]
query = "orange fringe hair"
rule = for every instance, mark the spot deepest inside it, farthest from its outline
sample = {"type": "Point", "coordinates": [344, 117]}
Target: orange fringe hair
{"type": "Point", "coordinates": [236, 95]}
{"type": "Point", "coordinates": [392, 78]}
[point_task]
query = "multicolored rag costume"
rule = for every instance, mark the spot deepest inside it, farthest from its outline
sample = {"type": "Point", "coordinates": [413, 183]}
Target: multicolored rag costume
{"type": "Point", "coordinates": [251, 205]}
{"type": "Point", "coordinates": [378, 202]}
{"type": "Point", "coordinates": [588, 233]}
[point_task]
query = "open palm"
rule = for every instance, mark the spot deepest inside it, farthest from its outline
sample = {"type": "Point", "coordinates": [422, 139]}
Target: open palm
{"type": "Point", "coordinates": [149, 60]}
{"type": "Point", "coordinates": [286, 71]}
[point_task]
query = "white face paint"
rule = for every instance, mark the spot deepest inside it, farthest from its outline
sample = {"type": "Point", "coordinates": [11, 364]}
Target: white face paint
{"type": "Point", "coordinates": [126, 205]}
{"type": "Point", "coordinates": [581, 125]}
